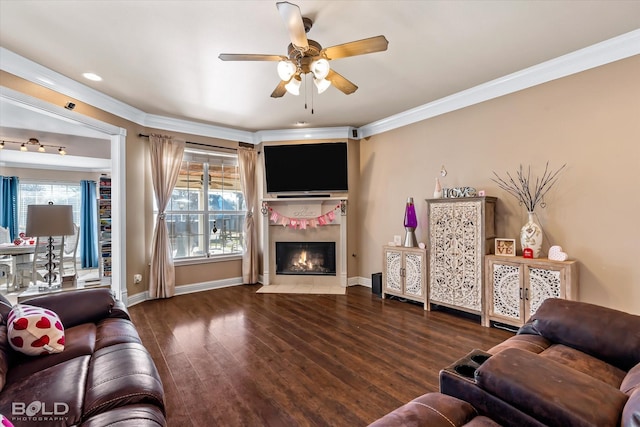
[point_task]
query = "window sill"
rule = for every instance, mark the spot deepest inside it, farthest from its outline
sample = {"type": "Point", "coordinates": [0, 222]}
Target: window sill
{"type": "Point", "coordinates": [205, 260]}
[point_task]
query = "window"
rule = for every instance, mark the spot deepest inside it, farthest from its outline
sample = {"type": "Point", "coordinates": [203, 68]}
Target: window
{"type": "Point", "coordinates": [206, 212]}
{"type": "Point", "coordinates": [41, 193]}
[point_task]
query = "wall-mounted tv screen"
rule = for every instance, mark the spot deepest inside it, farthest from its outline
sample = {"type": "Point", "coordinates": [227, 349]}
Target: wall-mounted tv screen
{"type": "Point", "coordinates": [306, 168]}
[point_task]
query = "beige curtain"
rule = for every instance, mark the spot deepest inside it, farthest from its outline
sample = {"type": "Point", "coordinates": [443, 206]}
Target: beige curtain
{"type": "Point", "coordinates": [166, 159]}
{"type": "Point", "coordinates": [247, 159]}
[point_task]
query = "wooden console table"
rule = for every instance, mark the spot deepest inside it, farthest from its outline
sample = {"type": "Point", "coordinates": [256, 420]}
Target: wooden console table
{"type": "Point", "coordinates": [516, 286]}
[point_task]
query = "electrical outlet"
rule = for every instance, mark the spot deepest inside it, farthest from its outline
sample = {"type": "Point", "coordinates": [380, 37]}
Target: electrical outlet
{"type": "Point", "coordinates": [137, 278]}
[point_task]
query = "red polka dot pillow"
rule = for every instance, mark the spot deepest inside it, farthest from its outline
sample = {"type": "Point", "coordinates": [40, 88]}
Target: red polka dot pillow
{"type": "Point", "coordinates": [4, 422]}
{"type": "Point", "coordinates": [35, 330]}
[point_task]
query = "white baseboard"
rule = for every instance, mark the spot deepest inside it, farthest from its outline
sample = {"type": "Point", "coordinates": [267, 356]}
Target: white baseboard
{"type": "Point", "coordinates": [188, 289]}
{"type": "Point", "coordinates": [361, 281]}
{"type": "Point", "coordinates": [216, 284]}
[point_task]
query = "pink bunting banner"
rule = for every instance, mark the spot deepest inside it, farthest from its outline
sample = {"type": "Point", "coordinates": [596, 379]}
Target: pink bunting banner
{"type": "Point", "coordinates": [302, 223]}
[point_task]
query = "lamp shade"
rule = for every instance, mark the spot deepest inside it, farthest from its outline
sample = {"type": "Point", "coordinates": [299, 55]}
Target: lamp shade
{"type": "Point", "coordinates": [49, 220]}
{"type": "Point", "coordinates": [293, 87]}
{"type": "Point", "coordinates": [286, 69]}
{"type": "Point", "coordinates": [322, 84]}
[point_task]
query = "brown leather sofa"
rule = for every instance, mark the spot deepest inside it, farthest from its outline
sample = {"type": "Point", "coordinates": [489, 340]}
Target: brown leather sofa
{"type": "Point", "coordinates": [104, 376]}
{"type": "Point", "coordinates": [435, 410]}
{"type": "Point", "coordinates": [572, 364]}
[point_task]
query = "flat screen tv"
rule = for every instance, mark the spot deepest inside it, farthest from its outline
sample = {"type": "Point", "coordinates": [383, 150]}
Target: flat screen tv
{"type": "Point", "coordinates": [306, 168]}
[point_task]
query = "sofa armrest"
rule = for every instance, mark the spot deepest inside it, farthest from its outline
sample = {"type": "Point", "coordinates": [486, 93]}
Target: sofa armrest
{"type": "Point", "coordinates": [120, 311]}
{"type": "Point", "coordinates": [605, 333]}
{"type": "Point", "coordinates": [77, 306]}
{"type": "Point", "coordinates": [556, 395]}
{"type": "Point", "coordinates": [432, 410]}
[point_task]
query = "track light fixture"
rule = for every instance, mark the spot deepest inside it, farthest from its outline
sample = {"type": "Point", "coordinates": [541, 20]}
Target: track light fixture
{"type": "Point", "coordinates": [24, 146]}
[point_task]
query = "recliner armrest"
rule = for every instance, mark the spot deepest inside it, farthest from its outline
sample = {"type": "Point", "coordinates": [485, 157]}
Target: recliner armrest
{"type": "Point", "coordinates": [77, 306]}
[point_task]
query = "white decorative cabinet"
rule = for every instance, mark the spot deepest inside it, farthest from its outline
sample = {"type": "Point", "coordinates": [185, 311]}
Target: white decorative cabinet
{"type": "Point", "coordinates": [404, 273]}
{"type": "Point", "coordinates": [516, 286]}
{"type": "Point", "coordinates": [461, 232]}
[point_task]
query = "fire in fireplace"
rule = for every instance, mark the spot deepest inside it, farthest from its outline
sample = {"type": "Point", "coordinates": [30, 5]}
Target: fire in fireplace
{"type": "Point", "coordinates": [306, 258]}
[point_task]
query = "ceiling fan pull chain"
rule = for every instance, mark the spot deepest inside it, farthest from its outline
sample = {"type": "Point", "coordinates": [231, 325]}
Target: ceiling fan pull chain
{"type": "Point", "coordinates": [305, 92]}
{"type": "Point", "coordinates": [311, 99]}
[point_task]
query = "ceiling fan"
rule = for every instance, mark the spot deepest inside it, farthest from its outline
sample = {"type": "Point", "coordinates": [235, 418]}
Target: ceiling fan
{"type": "Point", "coordinates": [307, 56]}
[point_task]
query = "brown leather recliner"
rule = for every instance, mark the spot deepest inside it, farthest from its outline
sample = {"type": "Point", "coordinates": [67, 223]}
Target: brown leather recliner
{"type": "Point", "coordinates": [572, 364]}
{"type": "Point", "coordinates": [104, 375]}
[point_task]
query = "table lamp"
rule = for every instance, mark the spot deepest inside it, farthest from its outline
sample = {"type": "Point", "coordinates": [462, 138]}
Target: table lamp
{"type": "Point", "coordinates": [410, 224]}
{"type": "Point", "coordinates": [48, 221]}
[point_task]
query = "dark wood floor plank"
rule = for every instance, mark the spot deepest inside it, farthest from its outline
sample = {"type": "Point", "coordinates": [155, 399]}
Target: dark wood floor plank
{"type": "Point", "coordinates": [231, 357]}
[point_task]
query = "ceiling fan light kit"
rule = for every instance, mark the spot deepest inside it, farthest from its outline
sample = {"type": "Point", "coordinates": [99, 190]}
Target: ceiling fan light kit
{"type": "Point", "coordinates": [307, 56]}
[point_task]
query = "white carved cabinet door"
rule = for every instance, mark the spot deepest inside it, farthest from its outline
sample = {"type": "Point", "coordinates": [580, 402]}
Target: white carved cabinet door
{"type": "Point", "coordinates": [404, 273]}
{"type": "Point", "coordinates": [393, 265]}
{"type": "Point", "coordinates": [543, 283]}
{"type": "Point", "coordinates": [506, 298]}
{"type": "Point", "coordinates": [414, 274]}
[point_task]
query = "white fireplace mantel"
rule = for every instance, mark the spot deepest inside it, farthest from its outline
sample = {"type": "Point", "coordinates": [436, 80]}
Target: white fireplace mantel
{"type": "Point", "coordinates": [300, 209]}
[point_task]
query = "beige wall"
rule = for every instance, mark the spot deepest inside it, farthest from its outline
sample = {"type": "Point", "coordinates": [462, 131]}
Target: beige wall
{"type": "Point", "coordinates": [590, 121]}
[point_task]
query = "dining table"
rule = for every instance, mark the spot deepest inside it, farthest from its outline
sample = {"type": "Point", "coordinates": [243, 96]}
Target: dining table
{"type": "Point", "coordinates": [20, 254]}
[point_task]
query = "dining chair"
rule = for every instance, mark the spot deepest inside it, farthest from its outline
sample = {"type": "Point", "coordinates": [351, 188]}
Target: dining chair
{"type": "Point", "coordinates": [5, 261]}
{"type": "Point", "coordinates": [37, 268]}
{"type": "Point", "coordinates": [69, 251]}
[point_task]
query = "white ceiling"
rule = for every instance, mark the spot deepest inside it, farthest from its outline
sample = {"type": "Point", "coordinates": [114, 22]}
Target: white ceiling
{"type": "Point", "coordinates": [162, 56]}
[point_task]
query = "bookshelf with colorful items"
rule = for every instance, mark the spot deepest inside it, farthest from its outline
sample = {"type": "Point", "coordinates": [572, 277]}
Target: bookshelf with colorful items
{"type": "Point", "coordinates": [104, 226]}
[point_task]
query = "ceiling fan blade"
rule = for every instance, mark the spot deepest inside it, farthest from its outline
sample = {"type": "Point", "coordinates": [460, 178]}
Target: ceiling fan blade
{"type": "Point", "coordinates": [280, 90]}
{"type": "Point", "coordinates": [250, 57]}
{"type": "Point", "coordinates": [341, 83]}
{"type": "Point", "coordinates": [293, 20]}
{"type": "Point", "coordinates": [360, 47]}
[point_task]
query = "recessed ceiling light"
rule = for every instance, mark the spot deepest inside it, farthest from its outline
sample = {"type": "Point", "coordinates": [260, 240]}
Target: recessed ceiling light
{"type": "Point", "coordinates": [92, 76]}
{"type": "Point", "coordinates": [300, 123]}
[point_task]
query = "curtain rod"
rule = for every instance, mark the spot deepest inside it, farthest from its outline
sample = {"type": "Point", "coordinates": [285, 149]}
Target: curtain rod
{"type": "Point", "coordinates": [241, 144]}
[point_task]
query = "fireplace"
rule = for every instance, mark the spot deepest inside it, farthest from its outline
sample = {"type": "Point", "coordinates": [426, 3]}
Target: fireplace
{"type": "Point", "coordinates": [329, 266]}
{"type": "Point", "coordinates": [306, 258]}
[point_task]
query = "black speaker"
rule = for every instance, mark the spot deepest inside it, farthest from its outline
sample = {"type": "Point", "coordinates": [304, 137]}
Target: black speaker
{"type": "Point", "coordinates": [376, 284]}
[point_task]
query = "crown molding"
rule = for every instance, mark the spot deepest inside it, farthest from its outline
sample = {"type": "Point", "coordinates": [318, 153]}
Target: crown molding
{"type": "Point", "coordinates": [608, 51]}
{"type": "Point", "coordinates": [194, 128]}
{"type": "Point", "coordinates": [24, 68]}
{"type": "Point", "coordinates": [60, 113]}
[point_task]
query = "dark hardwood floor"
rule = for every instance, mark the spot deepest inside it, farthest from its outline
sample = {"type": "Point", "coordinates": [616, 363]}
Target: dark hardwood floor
{"type": "Point", "coordinates": [231, 357]}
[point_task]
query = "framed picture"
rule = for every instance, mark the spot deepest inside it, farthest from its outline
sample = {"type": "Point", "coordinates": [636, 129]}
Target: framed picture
{"type": "Point", "coordinates": [506, 247]}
